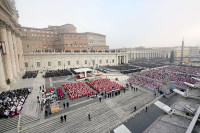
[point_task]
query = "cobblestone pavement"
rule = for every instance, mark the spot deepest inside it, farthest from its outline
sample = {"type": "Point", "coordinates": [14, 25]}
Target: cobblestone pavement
{"type": "Point", "coordinates": [104, 116]}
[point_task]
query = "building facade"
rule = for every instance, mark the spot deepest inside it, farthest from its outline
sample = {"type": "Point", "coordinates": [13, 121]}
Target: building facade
{"type": "Point", "coordinates": [61, 38]}
{"type": "Point", "coordinates": [141, 52]}
{"type": "Point", "coordinates": [63, 60]}
{"type": "Point", "coordinates": [187, 51]}
{"type": "Point", "coordinates": [11, 50]}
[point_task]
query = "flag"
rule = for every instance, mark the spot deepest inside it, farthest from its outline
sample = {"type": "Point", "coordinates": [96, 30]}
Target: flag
{"type": "Point", "coordinates": [3, 45]}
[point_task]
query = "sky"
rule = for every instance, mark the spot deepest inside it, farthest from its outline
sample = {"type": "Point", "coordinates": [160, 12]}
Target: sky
{"type": "Point", "coordinates": [126, 23]}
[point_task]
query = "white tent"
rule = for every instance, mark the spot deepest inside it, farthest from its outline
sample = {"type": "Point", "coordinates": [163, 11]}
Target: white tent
{"type": "Point", "coordinates": [85, 70]}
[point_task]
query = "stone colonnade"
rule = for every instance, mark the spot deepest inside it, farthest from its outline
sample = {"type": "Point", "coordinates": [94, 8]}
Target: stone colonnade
{"type": "Point", "coordinates": [146, 54]}
{"type": "Point", "coordinates": [11, 64]}
{"type": "Point", "coordinates": [122, 59]}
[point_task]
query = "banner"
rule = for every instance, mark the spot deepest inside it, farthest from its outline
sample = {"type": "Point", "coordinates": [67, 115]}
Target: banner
{"type": "Point", "coordinates": [3, 45]}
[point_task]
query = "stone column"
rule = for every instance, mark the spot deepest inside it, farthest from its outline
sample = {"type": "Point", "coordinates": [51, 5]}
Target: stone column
{"type": "Point", "coordinates": [3, 84]}
{"type": "Point", "coordinates": [12, 54]}
{"type": "Point", "coordinates": [18, 50]}
{"type": "Point", "coordinates": [16, 53]}
{"type": "Point", "coordinates": [20, 53]}
{"type": "Point", "coordinates": [6, 58]}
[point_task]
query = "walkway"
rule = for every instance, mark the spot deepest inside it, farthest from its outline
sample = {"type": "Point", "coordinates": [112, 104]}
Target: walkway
{"type": "Point", "coordinates": [142, 121]}
{"type": "Point", "coordinates": [104, 116]}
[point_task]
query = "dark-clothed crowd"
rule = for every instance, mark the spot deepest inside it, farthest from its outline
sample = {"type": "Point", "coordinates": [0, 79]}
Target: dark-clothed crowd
{"type": "Point", "coordinates": [11, 102]}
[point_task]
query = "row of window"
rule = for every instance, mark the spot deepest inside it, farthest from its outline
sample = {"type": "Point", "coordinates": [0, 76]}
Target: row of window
{"type": "Point", "coordinates": [40, 35]}
{"type": "Point", "coordinates": [71, 45]}
{"type": "Point", "coordinates": [97, 37]}
{"type": "Point", "coordinates": [49, 32]}
{"type": "Point", "coordinates": [74, 37]}
{"type": "Point", "coordinates": [96, 41]}
{"type": "Point", "coordinates": [68, 63]}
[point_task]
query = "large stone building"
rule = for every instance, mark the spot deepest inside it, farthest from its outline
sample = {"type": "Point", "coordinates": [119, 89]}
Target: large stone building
{"type": "Point", "coordinates": [11, 51]}
{"type": "Point", "coordinates": [187, 51]}
{"type": "Point", "coordinates": [61, 38]}
{"type": "Point", "coordinates": [62, 60]}
{"type": "Point", "coordinates": [58, 47]}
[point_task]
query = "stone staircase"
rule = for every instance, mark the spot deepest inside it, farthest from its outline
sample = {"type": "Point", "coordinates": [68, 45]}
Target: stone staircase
{"type": "Point", "coordinates": [11, 123]}
{"type": "Point", "coordinates": [104, 116]}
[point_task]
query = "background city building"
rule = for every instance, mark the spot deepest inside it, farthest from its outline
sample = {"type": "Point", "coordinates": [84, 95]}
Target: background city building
{"type": "Point", "coordinates": [62, 38]}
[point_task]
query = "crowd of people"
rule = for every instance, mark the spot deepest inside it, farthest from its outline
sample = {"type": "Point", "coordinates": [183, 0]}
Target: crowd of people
{"type": "Point", "coordinates": [30, 74]}
{"type": "Point", "coordinates": [56, 73]}
{"type": "Point", "coordinates": [150, 63]}
{"type": "Point", "coordinates": [153, 79]}
{"type": "Point", "coordinates": [145, 82]}
{"type": "Point", "coordinates": [104, 85]}
{"type": "Point", "coordinates": [50, 89]}
{"type": "Point", "coordinates": [186, 70]}
{"type": "Point", "coordinates": [75, 90]}
{"type": "Point", "coordinates": [60, 93]}
{"type": "Point", "coordinates": [73, 71]}
{"type": "Point", "coordinates": [11, 102]}
{"type": "Point", "coordinates": [125, 68]}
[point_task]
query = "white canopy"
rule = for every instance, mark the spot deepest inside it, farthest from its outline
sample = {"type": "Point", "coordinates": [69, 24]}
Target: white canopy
{"type": "Point", "coordinates": [82, 70]}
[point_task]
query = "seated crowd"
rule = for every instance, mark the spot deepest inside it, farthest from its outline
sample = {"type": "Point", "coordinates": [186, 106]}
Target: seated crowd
{"type": "Point", "coordinates": [60, 93]}
{"type": "Point", "coordinates": [177, 74]}
{"type": "Point", "coordinates": [75, 90]}
{"type": "Point", "coordinates": [73, 71]}
{"type": "Point", "coordinates": [11, 102]}
{"type": "Point", "coordinates": [125, 68]}
{"type": "Point", "coordinates": [148, 83]}
{"type": "Point", "coordinates": [53, 73]}
{"type": "Point", "coordinates": [150, 63]}
{"type": "Point", "coordinates": [30, 74]}
{"type": "Point", "coordinates": [186, 70]}
{"type": "Point", "coordinates": [104, 85]}
{"type": "Point", "coordinates": [50, 89]}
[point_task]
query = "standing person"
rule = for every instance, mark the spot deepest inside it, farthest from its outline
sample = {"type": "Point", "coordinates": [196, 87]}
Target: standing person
{"type": "Point", "coordinates": [46, 113]}
{"type": "Point", "coordinates": [100, 99]}
{"type": "Point", "coordinates": [61, 118]}
{"type": "Point", "coordinates": [89, 117]}
{"type": "Point", "coordinates": [40, 88]}
{"type": "Point", "coordinates": [43, 86]}
{"type": "Point", "coordinates": [67, 104]}
{"type": "Point", "coordinates": [136, 89]}
{"type": "Point", "coordinates": [135, 108]}
{"type": "Point", "coordinates": [38, 99]}
{"type": "Point", "coordinates": [65, 117]}
{"type": "Point", "coordinates": [146, 109]}
{"type": "Point", "coordinates": [64, 105]}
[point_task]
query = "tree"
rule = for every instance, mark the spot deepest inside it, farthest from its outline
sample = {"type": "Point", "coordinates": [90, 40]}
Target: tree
{"type": "Point", "coordinates": [8, 81]}
{"type": "Point", "coordinates": [171, 60]}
